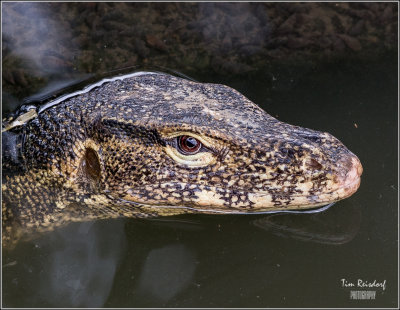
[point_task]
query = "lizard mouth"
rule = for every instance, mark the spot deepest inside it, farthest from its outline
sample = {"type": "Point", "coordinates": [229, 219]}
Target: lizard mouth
{"type": "Point", "coordinates": [207, 199]}
{"type": "Point", "coordinates": [299, 204]}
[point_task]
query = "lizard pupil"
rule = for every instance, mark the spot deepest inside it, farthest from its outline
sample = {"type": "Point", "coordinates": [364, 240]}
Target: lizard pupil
{"type": "Point", "coordinates": [188, 144]}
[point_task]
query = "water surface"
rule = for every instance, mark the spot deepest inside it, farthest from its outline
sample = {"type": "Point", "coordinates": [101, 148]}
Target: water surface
{"type": "Point", "coordinates": [219, 260]}
{"type": "Point", "coordinates": [244, 261]}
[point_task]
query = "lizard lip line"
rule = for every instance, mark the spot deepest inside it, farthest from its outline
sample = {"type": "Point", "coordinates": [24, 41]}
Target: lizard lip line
{"type": "Point", "coordinates": [349, 186]}
{"type": "Point", "coordinates": [344, 188]}
{"type": "Point", "coordinates": [315, 209]}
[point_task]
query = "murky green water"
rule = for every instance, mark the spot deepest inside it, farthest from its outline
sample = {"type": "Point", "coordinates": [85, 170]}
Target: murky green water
{"type": "Point", "coordinates": [245, 261]}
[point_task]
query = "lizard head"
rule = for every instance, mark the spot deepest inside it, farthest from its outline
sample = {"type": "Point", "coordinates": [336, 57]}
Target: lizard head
{"type": "Point", "coordinates": [169, 145]}
{"type": "Point", "coordinates": [152, 144]}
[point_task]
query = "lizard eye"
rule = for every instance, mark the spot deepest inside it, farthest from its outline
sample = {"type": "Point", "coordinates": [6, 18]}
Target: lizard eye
{"type": "Point", "coordinates": [188, 145]}
{"type": "Point", "coordinates": [190, 149]}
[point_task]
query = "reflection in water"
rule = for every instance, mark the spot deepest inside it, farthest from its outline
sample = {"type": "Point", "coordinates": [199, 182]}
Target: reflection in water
{"type": "Point", "coordinates": [166, 272]}
{"type": "Point", "coordinates": [55, 88]}
{"type": "Point", "coordinates": [226, 27]}
{"type": "Point", "coordinates": [238, 265]}
{"type": "Point", "coordinates": [30, 28]}
{"type": "Point", "coordinates": [75, 267]}
{"type": "Point", "coordinates": [337, 225]}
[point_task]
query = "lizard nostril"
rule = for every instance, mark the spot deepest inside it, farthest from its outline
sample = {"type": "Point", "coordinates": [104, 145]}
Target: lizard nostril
{"type": "Point", "coordinates": [314, 164]}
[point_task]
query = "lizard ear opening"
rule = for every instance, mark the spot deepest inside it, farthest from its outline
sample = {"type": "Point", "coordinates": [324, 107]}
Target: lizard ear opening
{"type": "Point", "coordinates": [90, 166]}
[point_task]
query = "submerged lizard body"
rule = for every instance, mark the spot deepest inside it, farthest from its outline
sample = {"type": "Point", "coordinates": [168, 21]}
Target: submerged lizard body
{"type": "Point", "coordinates": [153, 144]}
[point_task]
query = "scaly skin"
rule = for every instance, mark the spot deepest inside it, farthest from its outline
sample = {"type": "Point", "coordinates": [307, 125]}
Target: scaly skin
{"type": "Point", "coordinates": [114, 151]}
